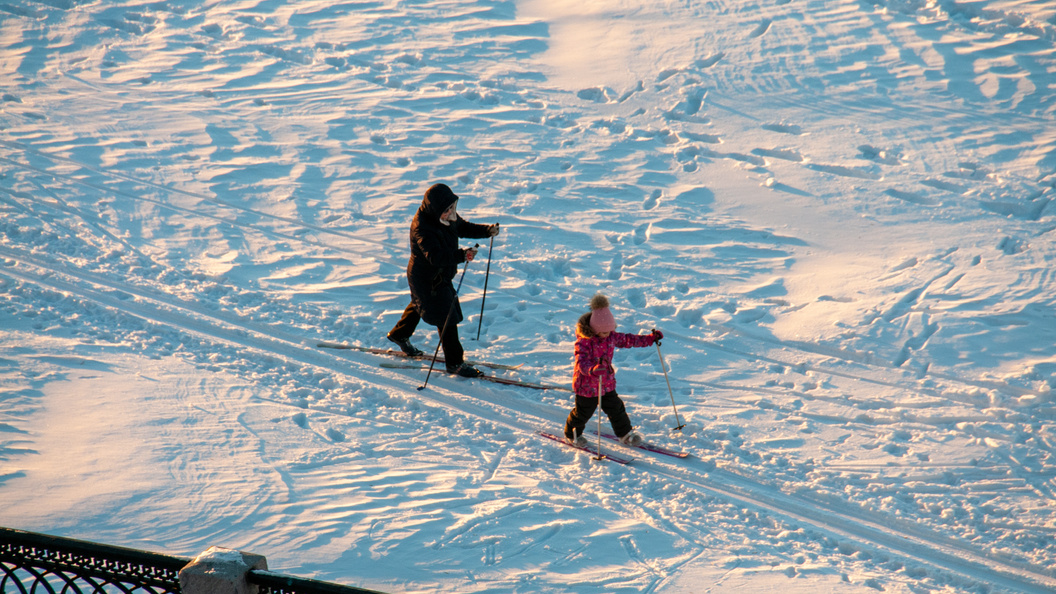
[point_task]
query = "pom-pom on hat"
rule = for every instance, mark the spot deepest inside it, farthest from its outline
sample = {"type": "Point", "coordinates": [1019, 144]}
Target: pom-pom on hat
{"type": "Point", "coordinates": [601, 319]}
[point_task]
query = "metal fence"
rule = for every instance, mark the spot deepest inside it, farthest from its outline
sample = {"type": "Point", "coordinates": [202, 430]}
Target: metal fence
{"type": "Point", "coordinates": [32, 563]}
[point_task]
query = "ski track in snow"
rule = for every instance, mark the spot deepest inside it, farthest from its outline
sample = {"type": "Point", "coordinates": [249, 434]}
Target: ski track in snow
{"type": "Point", "coordinates": [838, 214]}
{"type": "Point", "coordinates": [853, 529]}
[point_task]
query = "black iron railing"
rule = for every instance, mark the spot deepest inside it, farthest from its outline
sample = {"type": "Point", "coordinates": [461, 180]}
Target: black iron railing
{"type": "Point", "coordinates": [32, 563]}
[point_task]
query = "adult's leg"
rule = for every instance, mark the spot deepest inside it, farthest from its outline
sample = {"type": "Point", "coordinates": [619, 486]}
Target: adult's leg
{"type": "Point", "coordinates": [613, 406]}
{"type": "Point", "coordinates": [453, 353]}
{"type": "Point", "coordinates": [408, 322]}
{"type": "Point", "coordinates": [581, 413]}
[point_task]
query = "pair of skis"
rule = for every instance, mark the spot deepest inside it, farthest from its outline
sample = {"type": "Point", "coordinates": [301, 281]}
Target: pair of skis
{"type": "Point", "coordinates": [495, 379]}
{"type": "Point", "coordinates": [616, 457]}
{"type": "Point", "coordinates": [402, 355]}
{"type": "Point", "coordinates": [419, 364]}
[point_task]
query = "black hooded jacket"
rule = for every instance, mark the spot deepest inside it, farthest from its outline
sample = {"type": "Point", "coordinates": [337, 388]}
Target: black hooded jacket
{"type": "Point", "coordinates": [435, 256]}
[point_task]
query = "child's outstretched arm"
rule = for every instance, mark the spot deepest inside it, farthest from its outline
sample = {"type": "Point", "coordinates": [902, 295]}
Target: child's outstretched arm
{"type": "Point", "coordinates": [624, 341]}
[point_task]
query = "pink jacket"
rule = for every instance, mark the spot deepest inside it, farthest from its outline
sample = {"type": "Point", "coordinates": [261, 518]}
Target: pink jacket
{"type": "Point", "coordinates": [593, 351]}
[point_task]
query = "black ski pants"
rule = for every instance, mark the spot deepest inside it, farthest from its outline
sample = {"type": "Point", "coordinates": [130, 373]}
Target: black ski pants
{"type": "Point", "coordinates": [454, 355]}
{"type": "Point", "coordinates": [611, 404]}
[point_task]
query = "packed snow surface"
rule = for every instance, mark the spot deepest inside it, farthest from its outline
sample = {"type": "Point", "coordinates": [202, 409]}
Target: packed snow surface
{"type": "Point", "coordinates": [837, 211]}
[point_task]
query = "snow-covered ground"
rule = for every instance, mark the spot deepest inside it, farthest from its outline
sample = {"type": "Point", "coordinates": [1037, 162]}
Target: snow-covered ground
{"type": "Point", "coordinates": [836, 210]}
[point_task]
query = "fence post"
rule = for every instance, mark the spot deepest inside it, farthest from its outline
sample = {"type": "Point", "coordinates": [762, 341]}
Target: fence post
{"type": "Point", "coordinates": [220, 571]}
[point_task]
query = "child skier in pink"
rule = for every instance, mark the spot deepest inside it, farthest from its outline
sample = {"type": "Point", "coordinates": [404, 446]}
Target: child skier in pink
{"type": "Point", "coordinates": [596, 340]}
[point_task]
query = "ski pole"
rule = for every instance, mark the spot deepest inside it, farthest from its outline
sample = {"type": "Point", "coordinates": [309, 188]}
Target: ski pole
{"type": "Point", "coordinates": [450, 310]}
{"type": "Point", "coordinates": [598, 412]}
{"type": "Point", "coordinates": [487, 273]}
{"type": "Point", "coordinates": [669, 390]}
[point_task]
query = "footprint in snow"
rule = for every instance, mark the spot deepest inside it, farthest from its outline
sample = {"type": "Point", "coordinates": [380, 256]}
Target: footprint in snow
{"type": "Point", "coordinates": [221, 137]}
{"type": "Point", "coordinates": [1012, 246]}
{"type": "Point", "coordinates": [666, 74]}
{"type": "Point", "coordinates": [689, 317]}
{"type": "Point", "coordinates": [688, 159]}
{"type": "Point", "coordinates": [636, 298]}
{"type": "Point", "coordinates": [888, 157]}
{"type": "Point", "coordinates": [911, 197]}
{"type": "Point", "coordinates": [945, 185]}
{"type": "Point", "coordinates": [409, 59]}
{"type": "Point", "coordinates": [285, 54]}
{"type": "Point", "coordinates": [920, 339]}
{"type": "Point", "coordinates": [616, 267]}
{"type": "Point", "coordinates": [783, 154]}
{"type": "Point", "coordinates": [613, 126]}
{"type": "Point", "coordinates": [1030, 210]}
{"type": "Point", "coordinates": [699, 198]}
{"type": "Point", "coordinates": [844, 171]}
{"type": "Point", "coordinates": [709, 61]}
{"type": "Point", "coordinates": [760, 30]}
{"type": "Point", "coordinates": [784, 129]}
{"type": "Point", "coordinates": [689, 107]}
{"type": "Point", "coordinates": [653, 200]}
{"type": "Point", "coordinates": [627, 94]}
{"type": "Point", "coordinates": [743, 158]}
{"type": "Point", "coordinates": [705, 138]}
{"type": "Point", "coordinates": [905, 265]}
{"type": "Point", "coordinates": [970, 171]}
{"type": "Point", "coordinates": [595, 95]}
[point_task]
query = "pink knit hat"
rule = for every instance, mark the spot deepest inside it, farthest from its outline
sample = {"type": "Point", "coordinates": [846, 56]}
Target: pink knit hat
{"type": "Point", "coordinates": [601, 319]}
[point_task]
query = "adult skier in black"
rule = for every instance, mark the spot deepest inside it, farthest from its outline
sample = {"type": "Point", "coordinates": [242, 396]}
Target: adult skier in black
{"type": "Point", "coordinates": [435, 258]}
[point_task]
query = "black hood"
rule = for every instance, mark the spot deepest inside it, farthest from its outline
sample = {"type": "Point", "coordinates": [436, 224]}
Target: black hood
{"type": "Point", "coordinates": [438, 198]}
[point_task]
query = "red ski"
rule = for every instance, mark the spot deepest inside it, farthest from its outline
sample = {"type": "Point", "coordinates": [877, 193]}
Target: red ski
{"type": "Point", "coordinates": [610, 457]}
{"type": "Point", "coordinates": [648, 447]}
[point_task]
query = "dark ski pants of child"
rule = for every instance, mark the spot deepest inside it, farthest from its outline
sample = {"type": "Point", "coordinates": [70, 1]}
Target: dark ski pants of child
{"type": "Point", "coordinates": [611, 404]}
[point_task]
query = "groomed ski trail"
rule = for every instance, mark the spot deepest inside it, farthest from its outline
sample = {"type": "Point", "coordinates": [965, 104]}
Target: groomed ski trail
{"type": "Point", "coordinates": [814, 357]}
{"type": "Point", "coordinates": [838, 521]}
